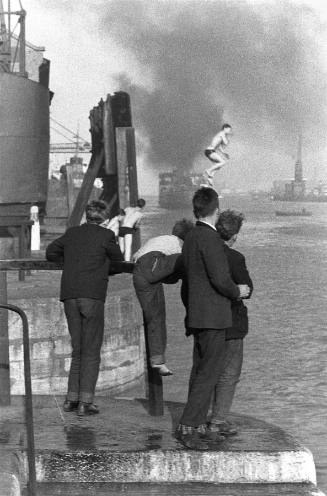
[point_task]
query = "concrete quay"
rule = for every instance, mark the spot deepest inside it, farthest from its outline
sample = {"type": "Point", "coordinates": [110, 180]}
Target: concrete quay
{"type": "Point", "coordinates": [122, 352]}
{"type": "Point", "coordinates": [123, 450]}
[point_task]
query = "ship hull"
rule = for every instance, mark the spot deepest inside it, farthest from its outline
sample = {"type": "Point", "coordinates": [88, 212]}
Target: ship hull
{"type": "Point", "coordinates": [24, 140]}
{"type": "Point", "coordinates": [293, 214]}
{"type": "Point", "coordinates": [173, 200]}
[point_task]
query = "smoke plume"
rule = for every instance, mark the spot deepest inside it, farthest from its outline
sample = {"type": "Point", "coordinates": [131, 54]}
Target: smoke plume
{"type": "Point", "coordinates": [258, 60]}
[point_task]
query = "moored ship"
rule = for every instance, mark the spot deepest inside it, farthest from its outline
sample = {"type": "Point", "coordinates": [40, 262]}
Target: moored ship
{"type": "Point", "coordinates": [176, 189]}
{"type": "Point", "coordinates": [24, 130]}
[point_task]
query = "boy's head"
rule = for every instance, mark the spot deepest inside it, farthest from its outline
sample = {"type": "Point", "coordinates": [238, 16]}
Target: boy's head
{"type": "Point", "coordinates": [96, 212]}
{"type": "Point", "coordinates": [229, 224]}
{"type": "Point", "coordinates": [140, 203]}
{"type": "Point", "coordinates": [182, 227]}
{"type": "Point", "coordinates": [227, 128]}
{"type": "Point", "coordinates": [205, 203]}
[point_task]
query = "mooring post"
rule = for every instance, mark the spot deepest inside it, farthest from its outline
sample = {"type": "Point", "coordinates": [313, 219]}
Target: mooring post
{"type": "Point", "coordinates": [4, 345]}
{"type": "Point", "coordinates": [154, 387]}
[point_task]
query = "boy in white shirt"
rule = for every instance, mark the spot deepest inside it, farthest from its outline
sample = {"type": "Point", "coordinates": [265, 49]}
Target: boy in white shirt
{"type": "Point", "coordinates": [158, 261]}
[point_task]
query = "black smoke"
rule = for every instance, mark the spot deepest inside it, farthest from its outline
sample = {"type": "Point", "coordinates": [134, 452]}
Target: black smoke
{"type": "Point", "coordinates": [260, 60]}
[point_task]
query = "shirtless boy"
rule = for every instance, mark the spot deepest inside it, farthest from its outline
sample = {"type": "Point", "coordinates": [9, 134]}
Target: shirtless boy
{"type": "Point", "coordinates": [216, 152]}
{"type": "Point", "coordinates": [130, 222]}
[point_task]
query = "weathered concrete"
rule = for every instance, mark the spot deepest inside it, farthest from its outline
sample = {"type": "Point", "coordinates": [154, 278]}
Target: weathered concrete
{"type": "Point", "coordinates": [122, 353]}
{"type": "Point", "coordinates": [168, 489]}
{"type": "Point", "coordinates": [124, 445]}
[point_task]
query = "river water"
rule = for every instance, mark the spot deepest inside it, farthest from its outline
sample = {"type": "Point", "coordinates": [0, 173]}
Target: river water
{"type": "Point", "coordinates": [284, 379]}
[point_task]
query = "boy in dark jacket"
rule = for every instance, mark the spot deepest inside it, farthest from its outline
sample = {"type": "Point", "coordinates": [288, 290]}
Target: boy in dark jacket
{"type": "Point", "coordinates": [86, 251]}
{"type": "Point", "coordinates": [228, 226]}
{"type": "Point", "coordinates": [208, 290]}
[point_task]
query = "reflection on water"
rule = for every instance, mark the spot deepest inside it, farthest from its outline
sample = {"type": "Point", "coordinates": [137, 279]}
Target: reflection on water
{"type": "Point", "coordinates": [284, 375]}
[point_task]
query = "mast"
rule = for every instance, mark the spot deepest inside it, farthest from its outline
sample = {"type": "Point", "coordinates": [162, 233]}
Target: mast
{"type": "Point", "coordinates": [8, 58]}
{"type": "Point", "coordinates": [4, 43]}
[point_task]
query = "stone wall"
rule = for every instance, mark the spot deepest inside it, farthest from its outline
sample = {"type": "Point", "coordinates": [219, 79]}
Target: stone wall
{"type": "Point", "coordinates": [122, 357]}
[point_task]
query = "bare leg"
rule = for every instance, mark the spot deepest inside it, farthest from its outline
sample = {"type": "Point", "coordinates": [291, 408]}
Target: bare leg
{"type": "Point", "coordinates": [121, 242]}
{"type": "Point", "coordinates": [128, 247]}
{"type": "Point", "coordinates": [218, 163]}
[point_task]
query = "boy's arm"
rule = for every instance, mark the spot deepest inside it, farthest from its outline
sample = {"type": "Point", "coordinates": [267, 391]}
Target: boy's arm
{"type": "Point", "coordinates": [55, 250]}
{"type": "Point", "coordinates": [217, 268]}
{"type": "Point", "coordinates": [138, 221]}
{"type": "Point", "coordinates": [112, 248]}
{"type": "Point", "coordinates": [241, 274]}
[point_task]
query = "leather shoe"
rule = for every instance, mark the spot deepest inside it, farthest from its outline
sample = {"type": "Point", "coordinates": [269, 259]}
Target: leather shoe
{"type": "Point", "coordinates": [86, 409]}
{"type": "Point", "coordinates": [224, 428]}
{"type": "Point", "coordinates": [70, 406]}
{"type": "Point", "coordinates": [192, 440]}
{"type": "Point", "coordinates": [212, 436]}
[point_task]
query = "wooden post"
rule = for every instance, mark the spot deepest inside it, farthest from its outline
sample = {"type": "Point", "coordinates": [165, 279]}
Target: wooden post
{"type": "Point", "coordinates": [131, 162]}
{"type": "Point", "coordinates": [132, 179]}
{"type": "Point", "coordinates": [122, 167]}
{"type": "Point", "coordinates": [86, 189]}
{"type": "Point", "coordinates": [109, 144]}
{"type": "Point", "coordinates": [154, 389]}
{"type": "Point", "coordinates": [4, 345]}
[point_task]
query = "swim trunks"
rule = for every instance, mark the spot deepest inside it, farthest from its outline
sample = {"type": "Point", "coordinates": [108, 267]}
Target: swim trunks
{"type": "Point", "coordinates": [126, 230]}
{"type": "Point", "coordinates": [208, 152]}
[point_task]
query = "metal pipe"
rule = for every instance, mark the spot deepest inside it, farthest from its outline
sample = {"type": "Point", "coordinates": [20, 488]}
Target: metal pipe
{"type": "Point", "coordinates": [28, 400]}
{"type": "Point", "coordinates": [22, 45]}
{"type": "Point", "coordinates": [4, 345]}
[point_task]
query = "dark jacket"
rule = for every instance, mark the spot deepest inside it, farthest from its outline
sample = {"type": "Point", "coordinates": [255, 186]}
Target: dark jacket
{"type": "Point", "coordinates": [208, 284]}
{"type": "Point", "coordinates": [86, 251]}
{"type": "Point", "coordinates": [240, 275]}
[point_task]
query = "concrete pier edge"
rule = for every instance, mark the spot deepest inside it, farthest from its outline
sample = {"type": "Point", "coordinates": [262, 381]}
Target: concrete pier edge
{"type": "Point", "coordinates": [125, 446]}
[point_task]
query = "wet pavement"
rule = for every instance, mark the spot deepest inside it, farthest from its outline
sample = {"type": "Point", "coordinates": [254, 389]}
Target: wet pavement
{"type": "Point", "coordinates": [124, 425]}
{"type": "Point", "coordinates": [125, 444]}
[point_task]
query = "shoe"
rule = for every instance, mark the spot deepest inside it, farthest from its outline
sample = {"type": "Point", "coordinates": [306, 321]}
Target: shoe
{"type": "Point", "coordinates": [224, 428]}
{"type": "Point", "coordinates": [86, 409]}
{"type": "Point", "coordinates": [70, 406]}
{"type": "Point", "coordinates": [211, 436]}
{"type": "Point", "coordinates": [192, 440]}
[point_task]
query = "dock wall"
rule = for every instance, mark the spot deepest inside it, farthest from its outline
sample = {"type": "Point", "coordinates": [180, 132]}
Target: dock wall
{"type": "Point", "coordinates": [122, 354]}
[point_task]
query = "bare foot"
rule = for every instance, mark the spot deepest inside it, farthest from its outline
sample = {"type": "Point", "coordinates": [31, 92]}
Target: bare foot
{"type": "Point", "coordinates": [162, 369]}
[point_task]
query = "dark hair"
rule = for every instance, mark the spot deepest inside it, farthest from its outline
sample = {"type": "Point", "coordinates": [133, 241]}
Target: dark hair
{"type": "Point", "coordinates": [224, 126]}
{"type": "Point", "coordinates": [205, 202]}
{"type": "Point", "coordinates": [121, 212]}
{"type": "Point", "coordinates": [96, 211]}
{"type": "Point", "coordinates": [182, 227]}
{"type": "Point", "coordinates": [229, 224]}
{"type": "Point", "coordinates": [140, 203]}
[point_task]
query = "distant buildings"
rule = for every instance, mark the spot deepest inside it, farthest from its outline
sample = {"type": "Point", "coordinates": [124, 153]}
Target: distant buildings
{"type": "Point", "coordinates": [296, 189]}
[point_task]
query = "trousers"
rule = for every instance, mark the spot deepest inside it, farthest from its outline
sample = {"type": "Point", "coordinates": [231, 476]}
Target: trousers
{"type": "Point", "coordinates": [226, 384]}
{"type": "Point", "coordinates": [149, 271]}
{"type": "Point", "coordinates": [85, 319]}
{"type": "Point", "coordinates": [208, 363]}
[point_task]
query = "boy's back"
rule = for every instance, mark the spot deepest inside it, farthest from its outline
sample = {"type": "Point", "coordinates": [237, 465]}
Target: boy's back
{"type": "Point", "coordinates": [208, 281]}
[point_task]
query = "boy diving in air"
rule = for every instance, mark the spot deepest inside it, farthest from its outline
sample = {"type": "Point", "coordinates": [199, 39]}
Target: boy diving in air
{"type": "Point", "coordinates": [216, 152]}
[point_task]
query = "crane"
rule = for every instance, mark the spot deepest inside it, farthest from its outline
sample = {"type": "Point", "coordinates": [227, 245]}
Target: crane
{"type": "Point", "coordinates": [74, 144]}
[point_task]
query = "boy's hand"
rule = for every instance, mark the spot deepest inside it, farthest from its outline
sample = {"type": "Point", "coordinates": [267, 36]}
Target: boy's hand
{"type": "Point", "coordinates": [244, 290]}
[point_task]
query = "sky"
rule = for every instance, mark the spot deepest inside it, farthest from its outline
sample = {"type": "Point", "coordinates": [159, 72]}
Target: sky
{"type": "Point", "coordinates": [263, 63]}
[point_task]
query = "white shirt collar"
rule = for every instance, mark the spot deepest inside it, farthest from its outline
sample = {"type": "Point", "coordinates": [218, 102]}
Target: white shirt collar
{"type": "Point", "coordinates": [208, 223]}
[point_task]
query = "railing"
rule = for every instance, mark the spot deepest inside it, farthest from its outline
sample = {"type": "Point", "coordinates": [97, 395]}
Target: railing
{"type": "Point", "coordinates": [154, 380]}
{"type": "Point", "coordinates": [28, 400]}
